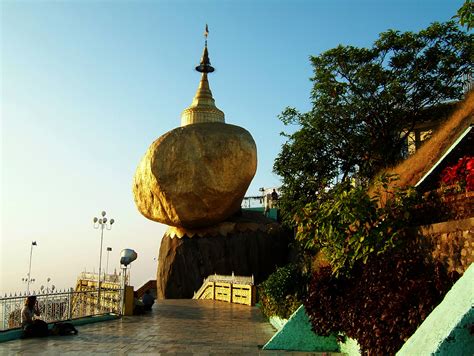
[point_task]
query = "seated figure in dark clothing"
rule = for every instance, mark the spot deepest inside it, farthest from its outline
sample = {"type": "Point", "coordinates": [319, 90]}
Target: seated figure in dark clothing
{"type": "Point", "coordinates": [32, 327]}
{"type": "Point", "coordinates": [148, 300]}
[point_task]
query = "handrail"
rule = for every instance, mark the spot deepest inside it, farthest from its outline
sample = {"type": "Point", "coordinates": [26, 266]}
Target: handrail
{"type": "Point", "coordinates": [88, 276]}
{"type": "Point", "coordinates": [233, 289]}
{"type": "Point", "coordinates": [230, 279]}
{"type": "Point", "coordinates": [61, 306]}
{"type": "Point", "coordinates": [151, 284]}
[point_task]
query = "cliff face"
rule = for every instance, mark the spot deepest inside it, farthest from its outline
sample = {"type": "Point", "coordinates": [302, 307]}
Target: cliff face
{"type": "Point", "coordinates": [253, 245]}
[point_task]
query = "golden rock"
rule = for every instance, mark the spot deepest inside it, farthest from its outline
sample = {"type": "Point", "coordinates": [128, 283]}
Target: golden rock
{"type": "Point", "coordinates": [195, 175]}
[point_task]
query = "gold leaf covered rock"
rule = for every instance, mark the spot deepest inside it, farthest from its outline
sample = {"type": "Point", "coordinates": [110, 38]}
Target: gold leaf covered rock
{"type": "Point", "coordinates": [196, 175]}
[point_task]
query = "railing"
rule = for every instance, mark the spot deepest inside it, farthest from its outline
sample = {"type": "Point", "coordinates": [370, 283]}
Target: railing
{"type": "Point", "coordinates": [150, 285]}
{"type": "Point", "coordinates": [232, 289]}
{"type": "Point", "coordinates": [112, 278]}
{"type": "Point", "coordinates": [61, 306]}
{"type": "Point", "coordinates": [229, 279]}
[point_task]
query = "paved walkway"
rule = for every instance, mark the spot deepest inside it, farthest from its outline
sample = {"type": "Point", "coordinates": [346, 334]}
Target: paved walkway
{"type": "Point", "coordinates": [183, 327]}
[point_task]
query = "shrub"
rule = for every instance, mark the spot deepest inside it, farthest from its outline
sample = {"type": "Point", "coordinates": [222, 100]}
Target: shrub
{"type": "Point", "coordinates": [381, 282]}
{"type": "Point", "coordinates": [459, 176]}
{"type": "Point", "coordinates": [281, 294]}
{"type": "Point", "coordinates": [349, 225]}
{"type": "Point", "coordinates": [383, 301]}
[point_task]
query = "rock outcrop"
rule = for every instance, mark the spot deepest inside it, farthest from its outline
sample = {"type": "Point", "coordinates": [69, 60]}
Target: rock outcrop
{"type": "Point", "coordinates": [195, 175]}
{"type": "Point", "coordinates": [252, 245]}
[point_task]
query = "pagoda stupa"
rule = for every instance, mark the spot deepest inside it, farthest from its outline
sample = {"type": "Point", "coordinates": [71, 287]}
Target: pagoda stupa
{"type": "Point", "coordinates": [196, 175]}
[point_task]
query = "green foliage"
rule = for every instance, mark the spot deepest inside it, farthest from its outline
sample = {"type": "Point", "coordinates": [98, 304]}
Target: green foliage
{"type": "Point", "coordinates": [382, 302]}
{"type": "Point", "coordinates": [281, 293]}
{"type": "Point", "coordinates": [349, 225]}
{"type": "Point", "coordinates": [364, 101]}
{"type": "Point", "coordinates": [465, 14]}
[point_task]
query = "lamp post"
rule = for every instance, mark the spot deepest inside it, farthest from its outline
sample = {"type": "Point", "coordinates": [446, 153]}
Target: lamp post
{"type": "Point", "coordinates": [101, 224]}
{"type": "Point", "coordinates": [28, 278]}
{"type": "Point", "coordinates": [25, 280]}
{"type": "Point", "coordinates": [107, 264]}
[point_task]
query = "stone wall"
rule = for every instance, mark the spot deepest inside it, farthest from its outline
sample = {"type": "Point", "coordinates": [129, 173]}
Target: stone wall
{"type": "Point", "coordinates": [461, 206]}
{"type": "Point", "coordinates": [453, 243]}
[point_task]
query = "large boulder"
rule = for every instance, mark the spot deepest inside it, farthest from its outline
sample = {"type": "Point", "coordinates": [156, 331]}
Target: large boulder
{"type": "Point", "coordinates": [195, 175]}
{"type": "Point", "coordinates": [244, 245]}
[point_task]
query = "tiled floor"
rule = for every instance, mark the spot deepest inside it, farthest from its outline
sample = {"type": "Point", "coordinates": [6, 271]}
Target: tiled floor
{"type": "Point", "coordinates": [184, 327]}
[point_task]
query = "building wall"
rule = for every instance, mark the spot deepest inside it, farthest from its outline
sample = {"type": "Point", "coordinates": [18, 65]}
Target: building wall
{"type": "Point", "coordinates": [453, 243]}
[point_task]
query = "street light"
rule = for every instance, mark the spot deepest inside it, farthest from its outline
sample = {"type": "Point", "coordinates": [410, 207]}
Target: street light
{"type": "Point", "coordinates": [28, 278]}
{"type": "Point", "coordinates": [25, 280]}
{"type": "Point", "coordinates": [101, 224]}
{"type": "Point", "coordinates": [107, 265]}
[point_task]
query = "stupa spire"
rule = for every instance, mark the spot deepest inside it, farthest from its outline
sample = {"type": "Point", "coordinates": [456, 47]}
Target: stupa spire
{"type": "Point", "coordinates": [203, 107]}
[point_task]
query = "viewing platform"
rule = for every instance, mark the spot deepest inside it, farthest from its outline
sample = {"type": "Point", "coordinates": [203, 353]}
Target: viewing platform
{"type": "Point", "coordinates": [179, 326]}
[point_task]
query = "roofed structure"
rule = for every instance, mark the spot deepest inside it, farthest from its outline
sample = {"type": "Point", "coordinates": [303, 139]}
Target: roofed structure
{"type": "Point", "coordinates": [451, 141]}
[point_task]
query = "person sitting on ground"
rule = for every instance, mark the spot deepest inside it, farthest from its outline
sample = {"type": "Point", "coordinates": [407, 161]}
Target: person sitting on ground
{"type": "Point", "coordinates": [30, 325]}
{"type": "Point", "coordinates": [148, 300]}
{"type": "Point", "coordinates": [138, 307]}
{"type": "Point", "coordinates": [30, 309]}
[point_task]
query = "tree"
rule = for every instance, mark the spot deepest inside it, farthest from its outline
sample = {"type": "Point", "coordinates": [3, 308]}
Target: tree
{"type": "Point", "coordinates": [465, 14]}
{"type": "Point", "coordinates": [365, 101]}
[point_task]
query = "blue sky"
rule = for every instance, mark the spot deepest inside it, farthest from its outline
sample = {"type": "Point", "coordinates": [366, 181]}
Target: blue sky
{"type": "Point", "coordinates": [87, 86]}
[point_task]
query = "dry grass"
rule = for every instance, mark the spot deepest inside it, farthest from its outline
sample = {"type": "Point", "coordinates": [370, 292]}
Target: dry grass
{"type": "Point", "coordinates": [416, 166]}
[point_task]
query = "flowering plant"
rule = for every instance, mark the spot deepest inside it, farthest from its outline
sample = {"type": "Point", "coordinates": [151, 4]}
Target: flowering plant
{"type": "Point", "coordinates": [460, 175]}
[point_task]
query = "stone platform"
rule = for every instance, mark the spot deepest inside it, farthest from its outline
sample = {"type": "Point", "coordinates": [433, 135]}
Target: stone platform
{"type": "Point", "coordinates": [184, 327]}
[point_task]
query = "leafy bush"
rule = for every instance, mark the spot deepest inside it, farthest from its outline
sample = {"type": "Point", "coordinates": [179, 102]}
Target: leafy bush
{"type": "Point", "coordinates": [382, 303]}
{"type": "Point", "coordinates": [281, 294]}
{"type": "Point", "coordinates": [349, 225]}
{"type": "Point", "coordinates": [380, 283]}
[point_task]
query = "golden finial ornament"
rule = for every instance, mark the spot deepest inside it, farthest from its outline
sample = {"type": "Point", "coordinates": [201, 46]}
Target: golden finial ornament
{"type": "Point", "coordinates": [203, 107]}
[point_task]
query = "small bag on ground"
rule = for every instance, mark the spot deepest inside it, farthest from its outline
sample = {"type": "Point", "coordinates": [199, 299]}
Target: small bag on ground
{"type": "Point", "coordinates": [63, 329]}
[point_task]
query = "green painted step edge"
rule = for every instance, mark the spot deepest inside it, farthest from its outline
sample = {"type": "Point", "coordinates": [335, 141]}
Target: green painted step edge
{"type": "Point", "coordinates": [277, 322]}
{"type": "Point", "coordinates": [296, 335]}
{"type": "Point", "coordinates": [14, 334]}
{"type": "Point", "coordinates": [446, 330]}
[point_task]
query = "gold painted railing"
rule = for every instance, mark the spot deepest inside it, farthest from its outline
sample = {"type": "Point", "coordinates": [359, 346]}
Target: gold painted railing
{"type": "Point", "coordinates": [232, 289]}
{"type": "Point", "coordinates": [85, 299]}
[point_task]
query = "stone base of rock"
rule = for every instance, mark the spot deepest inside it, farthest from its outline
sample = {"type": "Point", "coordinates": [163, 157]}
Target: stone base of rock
{"type": "Point", "coordinates": [247, 244]}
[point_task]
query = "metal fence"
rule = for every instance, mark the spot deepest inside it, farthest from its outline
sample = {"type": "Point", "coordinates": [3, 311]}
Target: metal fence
{"type": "Point", "coordinates": [61, 306]}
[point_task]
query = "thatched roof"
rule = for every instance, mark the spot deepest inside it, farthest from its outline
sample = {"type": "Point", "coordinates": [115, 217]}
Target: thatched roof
{"type": "Point", "coordinates": [434, 151]}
